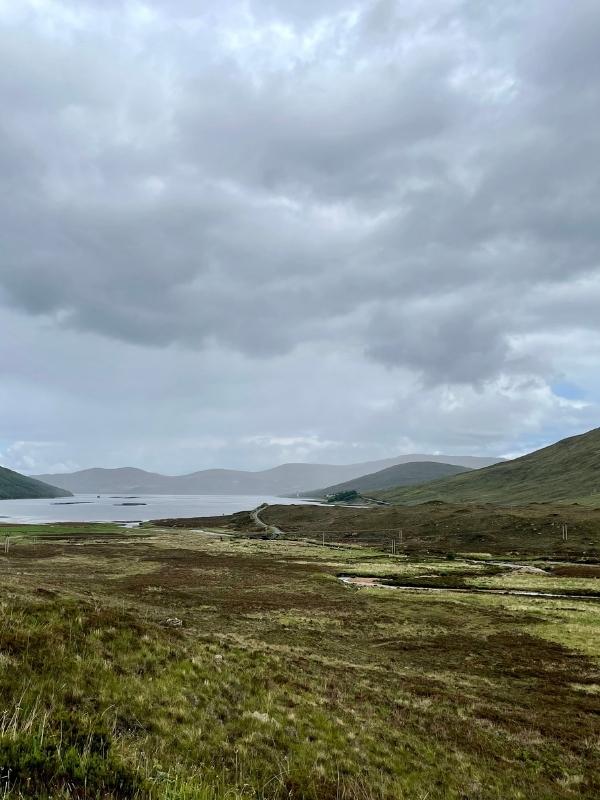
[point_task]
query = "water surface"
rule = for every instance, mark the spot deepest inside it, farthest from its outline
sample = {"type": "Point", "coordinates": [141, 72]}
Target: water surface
{"type": "Point", "coordinates": [129, 508]}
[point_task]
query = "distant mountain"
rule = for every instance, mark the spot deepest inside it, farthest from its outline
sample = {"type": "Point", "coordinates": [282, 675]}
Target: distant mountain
{"type": "Point", "coordinates": [286, 479]}
{"type": "Point", "coordinates": [567, 471]}
{"type": "Point", "coordinates": [414, 472]}
{"type": "Point", "coordinates": [104, 481]}
{"type": "Point", "coordinates": [14, 486]}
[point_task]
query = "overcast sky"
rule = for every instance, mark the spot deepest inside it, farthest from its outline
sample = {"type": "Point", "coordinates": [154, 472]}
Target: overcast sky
{"type": "Point", "coordinates": [241, 233]}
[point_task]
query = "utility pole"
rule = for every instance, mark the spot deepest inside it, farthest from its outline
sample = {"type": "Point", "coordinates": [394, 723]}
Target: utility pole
{"type": "Point", "coordinates": [323, 538]}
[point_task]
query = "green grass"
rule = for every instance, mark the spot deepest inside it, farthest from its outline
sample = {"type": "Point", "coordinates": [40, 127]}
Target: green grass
{"type": "Point", "coordinates": [13, 485]}
{"type": "Point", "coordinates": [281, 682]}
{"type": "Point", "coordinates": [538, 583]}
{"type": "Point", "coordinates": [61, 529]}
{"type": "Point", "coordinates": [398, 475]}
{"type": "Point", "coordinates": [565, 472]}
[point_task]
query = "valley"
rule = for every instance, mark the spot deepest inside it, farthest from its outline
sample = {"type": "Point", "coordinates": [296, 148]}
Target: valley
{"type": "Point", "coordinates": [204, 661]}
{"type": "Point", "coordinates": [421, 648]}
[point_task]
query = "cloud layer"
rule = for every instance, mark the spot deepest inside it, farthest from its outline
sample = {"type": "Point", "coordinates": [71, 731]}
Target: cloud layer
{"type": "Point", "coordinates": [249, 195]}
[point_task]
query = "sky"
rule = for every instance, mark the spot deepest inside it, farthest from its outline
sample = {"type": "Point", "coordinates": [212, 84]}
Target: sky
{"type": "Point", "coordinates": [242, 233]}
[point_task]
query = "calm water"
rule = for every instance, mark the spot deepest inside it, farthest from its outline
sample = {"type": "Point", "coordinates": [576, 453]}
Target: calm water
{"type": "Point", "coordinates": [110, 508]}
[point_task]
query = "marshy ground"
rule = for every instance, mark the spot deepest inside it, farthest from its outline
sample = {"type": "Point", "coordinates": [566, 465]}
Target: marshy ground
{"type": "Point", "coordinates": [177, 664]}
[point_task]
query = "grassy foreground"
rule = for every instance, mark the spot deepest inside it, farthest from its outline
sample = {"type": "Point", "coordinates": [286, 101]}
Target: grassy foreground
{"type": "Point", "coordinates": [281, 682]}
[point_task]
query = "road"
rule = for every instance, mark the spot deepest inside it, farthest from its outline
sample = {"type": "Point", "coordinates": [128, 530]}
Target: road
{"type": "Point", "coordinates": [272, 530]}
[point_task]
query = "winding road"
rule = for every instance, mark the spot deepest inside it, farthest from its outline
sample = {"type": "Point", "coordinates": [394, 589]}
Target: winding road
{"type": "Point", "coordinates": [272, 530]}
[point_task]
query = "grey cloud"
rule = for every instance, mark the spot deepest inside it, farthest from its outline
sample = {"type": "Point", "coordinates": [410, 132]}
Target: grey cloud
{"type": "Point", "coordinates": [374, 190]}
{"type": "Point", "coordinates": [561, 51]}
{"type": "Point", "coordinates": [334, 138]}
{"type": "Point", "coordinates": [458, 338]}
{"type": "Point", "coordinates": [298, 12]}
{"type": "Point", "coordinates": [79, 400]}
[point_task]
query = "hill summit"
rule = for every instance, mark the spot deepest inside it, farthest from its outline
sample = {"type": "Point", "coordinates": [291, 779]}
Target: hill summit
{"type": "Point", "coordinates": [415, 472]}
{"type": "Point", "coordinates": [567, 471]}
{"type": "Point", "coordinates": [14, 486]}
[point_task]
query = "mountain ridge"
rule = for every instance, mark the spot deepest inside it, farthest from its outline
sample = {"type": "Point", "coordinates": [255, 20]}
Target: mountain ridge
{"type": "Point", "coordinates": [413, 472]}
{"type": "Point", "coordinates": [284, 479]}
{"type": "Point", "coordinates": [566, 471]}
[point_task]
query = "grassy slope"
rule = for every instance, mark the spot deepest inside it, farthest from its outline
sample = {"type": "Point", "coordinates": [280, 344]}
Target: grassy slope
{"type": "Point", "coordinates": [567, 471]}
{"type": "Point", "coordinates": [398, 475]}
{"type": "Point", "coordinates": [14, 486]}
{"type": "Point", "coordinates": [281, 682]}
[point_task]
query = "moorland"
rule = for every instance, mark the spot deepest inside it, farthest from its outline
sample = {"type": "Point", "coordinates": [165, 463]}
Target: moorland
{"type": "Point", "coordinates": [200, 660]}
{"type": "Point", "coordinates": [440, 646]}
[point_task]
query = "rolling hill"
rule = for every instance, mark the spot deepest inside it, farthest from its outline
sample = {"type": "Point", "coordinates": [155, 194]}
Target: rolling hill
{"type": "Point", "coordinates": [415, 472]}
{"type": "Point", "coordinates": [14, 486]}
{"type": "Point", "coordinates": [286, 479]}
{"type": "Point", "coordinates": [567, 471]}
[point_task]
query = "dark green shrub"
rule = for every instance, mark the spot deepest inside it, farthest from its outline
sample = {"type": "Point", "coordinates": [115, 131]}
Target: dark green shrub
{"type": "Point", "coordinates": [81, 764]}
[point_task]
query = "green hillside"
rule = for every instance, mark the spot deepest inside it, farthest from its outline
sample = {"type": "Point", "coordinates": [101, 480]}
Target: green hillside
{"type": "Point", "coordinates": [399, 475]}
{"type": "Point", "coordinates": [14, 486]}
{"type": "Point", "coordinates": [567, 471]}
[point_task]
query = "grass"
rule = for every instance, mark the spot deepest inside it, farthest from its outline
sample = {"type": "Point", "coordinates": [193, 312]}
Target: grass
{"type": "Point", "coordinates": [280, 681]}
{"type": "Point", "coordinates": [60, 529]}
{"type": "Point", "coordinates": [436, 528]}
{"type": "Point", "coordinates": [539, 583]}
{"type": "Point", "coordinates": [14, 485]}
{"type": "Point", "coordinates": [565, 472]}
{"type": "Point", "coordinates": [414, 472]}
